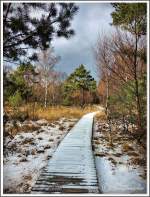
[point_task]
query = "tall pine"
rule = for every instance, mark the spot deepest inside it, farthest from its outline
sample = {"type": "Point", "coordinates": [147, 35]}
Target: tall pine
{"type": "Point", "coordinates": [80, 80]}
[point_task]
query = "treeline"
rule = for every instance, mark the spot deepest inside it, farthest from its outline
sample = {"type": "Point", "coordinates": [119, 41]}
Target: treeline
{"type": "Point", "coordinates": [121, 61]}
{"type": "Point", "coordinates": [45, 87]}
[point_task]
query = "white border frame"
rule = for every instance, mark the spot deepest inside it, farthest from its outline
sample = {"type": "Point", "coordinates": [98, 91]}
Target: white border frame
{"type": "Point", "coordinates": [147, 194]}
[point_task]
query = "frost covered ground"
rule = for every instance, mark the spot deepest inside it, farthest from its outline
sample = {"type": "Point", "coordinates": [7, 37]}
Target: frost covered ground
{"type": "Point", "coordinates": [121, 164]}
{"type": "Point", "coordinates": [28, 151]}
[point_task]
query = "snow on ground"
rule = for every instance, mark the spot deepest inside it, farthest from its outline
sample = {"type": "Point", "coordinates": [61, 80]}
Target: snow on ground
{"type": "Point", "coordinates": [120, 166]}
{"type": "Point", "coordinates": [28, 152]}
{"type": "Point", "coordinates": [122, 178]}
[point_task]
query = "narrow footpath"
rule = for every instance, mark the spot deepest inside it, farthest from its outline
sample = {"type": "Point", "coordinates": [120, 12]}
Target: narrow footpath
{"type": "Point", "coordinates": [72, 168]}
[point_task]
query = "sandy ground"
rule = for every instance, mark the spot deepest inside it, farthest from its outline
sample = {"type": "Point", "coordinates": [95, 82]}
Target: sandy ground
{"type": "Point", "coordinates": [27, 152]}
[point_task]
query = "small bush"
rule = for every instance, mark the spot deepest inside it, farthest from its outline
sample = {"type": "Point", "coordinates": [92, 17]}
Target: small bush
{"type": "Point", "coordinates": [15, 100]}
{"type": "Point", "coordinates": [29, 127]}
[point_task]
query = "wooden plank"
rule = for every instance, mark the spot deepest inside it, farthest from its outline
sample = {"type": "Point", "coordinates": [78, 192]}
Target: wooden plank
{"type": "Point", "coordinates": [71, 169]}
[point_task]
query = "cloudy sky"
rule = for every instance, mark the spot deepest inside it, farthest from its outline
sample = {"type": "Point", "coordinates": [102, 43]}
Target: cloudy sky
{"type": "Point", "coordinates": [91, 20]}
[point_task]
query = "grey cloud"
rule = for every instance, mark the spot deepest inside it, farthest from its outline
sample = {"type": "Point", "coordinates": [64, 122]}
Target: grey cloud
{"type": "Point", "coordinates": [91, 19]}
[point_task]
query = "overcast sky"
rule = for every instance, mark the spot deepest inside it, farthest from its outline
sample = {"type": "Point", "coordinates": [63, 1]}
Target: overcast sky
{"type": "Point", "coordinates": [91, 20]}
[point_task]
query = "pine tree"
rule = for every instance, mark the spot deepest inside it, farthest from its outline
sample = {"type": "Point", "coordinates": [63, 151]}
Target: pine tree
{"type": "Point", "coordinates": [81, 80]}
{"type": "Point", "coordinates": [33, 25]}
{"type": "Point", "coordinates": [131, 17]}
{"type": "Point", "coordinates": [20, 81]}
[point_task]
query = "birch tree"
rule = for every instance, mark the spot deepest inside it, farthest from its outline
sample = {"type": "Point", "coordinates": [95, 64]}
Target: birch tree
{"type": "Point", "coordinates": [47, 60]}
{"type": "Point", "coordinates": [104, 64]}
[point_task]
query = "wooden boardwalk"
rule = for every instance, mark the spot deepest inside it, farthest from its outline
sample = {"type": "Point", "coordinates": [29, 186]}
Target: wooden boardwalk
{"type": "Point", "coordinates": [72, 167]}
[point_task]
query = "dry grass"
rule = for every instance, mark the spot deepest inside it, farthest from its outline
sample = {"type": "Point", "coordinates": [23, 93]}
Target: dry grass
{"type": "Point", "coordinates": [126, 147]}
{"type": "Point", "coordinates": [53, 113]}
{"type": "Point", "coordinates": [29, 127]}
{"type": "Point", "coordinates": [97, 142]}
{"type": "Point", "coordinates": [138, 161]}
{"type": "Point", "coordinates": [24, 128]}
{"type": "Point", "coordinates": [101, 115]}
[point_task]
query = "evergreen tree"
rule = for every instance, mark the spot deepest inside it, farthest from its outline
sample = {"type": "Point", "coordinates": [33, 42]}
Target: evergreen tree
{"type": "Point", "coordinates": [81, 80]}
{"type": "Point", "coordinates": [19, 81]}
{"type": "Point", "coordinates": [131, 17]}
{"type": "Point", "coordinates": [33, 25]}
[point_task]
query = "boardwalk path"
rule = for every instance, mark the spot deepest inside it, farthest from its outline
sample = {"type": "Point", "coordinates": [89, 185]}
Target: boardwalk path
{"type": "Point", "coordinates": [72, 167]}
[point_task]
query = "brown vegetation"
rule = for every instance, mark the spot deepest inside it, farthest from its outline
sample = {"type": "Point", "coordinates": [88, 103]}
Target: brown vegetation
{"type": "Point", "coordinates": [52, 113]}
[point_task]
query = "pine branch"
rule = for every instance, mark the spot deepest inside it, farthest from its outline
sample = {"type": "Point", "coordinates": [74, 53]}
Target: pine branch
{"type": "Point", "coordinates": [5, 18]}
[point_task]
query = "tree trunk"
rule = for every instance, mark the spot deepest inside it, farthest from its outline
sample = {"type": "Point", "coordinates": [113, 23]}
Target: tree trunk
{"type": "Point", "coordinates": [124, 123]}
{"type": "Point", "coordinates": [139, 116]}
{"type": "Point", "coordinates": [107, 95]}
{"type": "Point", "coordinates": [6, 15]}
{"type": "Point", "coordinates": [82, 104]}
{"type": "Point", "coordinates": [45, 102]}
{"type": "Point", "coordinates": [110, 133]}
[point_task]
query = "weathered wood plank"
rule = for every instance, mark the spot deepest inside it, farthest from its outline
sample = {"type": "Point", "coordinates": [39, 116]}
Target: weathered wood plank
{"type": "Point", "coordinates": [71, 169]}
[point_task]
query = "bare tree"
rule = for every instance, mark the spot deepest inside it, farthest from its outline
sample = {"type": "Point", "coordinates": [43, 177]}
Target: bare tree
{"type": "Point", "coordinates": [54, 89]}
{"type": "Point", "coordinates": [47, 60]}
{"type": "Point", "coordinates": [127, 56]}
{"type": "Point", "coordinates": [104, 62]}
{"type": "Point", "coordinates": [120, 59]}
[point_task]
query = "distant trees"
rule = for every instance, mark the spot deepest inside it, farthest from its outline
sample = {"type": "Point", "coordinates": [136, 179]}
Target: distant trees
{"type": "Point", "coordinates": [34, 25]}
{"type": "Point", "coordinates": [45, 86]}
{"type": "Point", "coordinates": [121, 60]}
{"type": "Point", "coordinates": [18, 88]}
{"type": "Point", "coordinates": [78, 85]}
{"type": "Point", "coordinates": [54, 89]}
{"type": "Point", "coordinates": [19, 82]}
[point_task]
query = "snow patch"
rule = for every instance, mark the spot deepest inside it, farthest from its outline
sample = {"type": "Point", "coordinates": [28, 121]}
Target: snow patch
{"type": "Point", "coordinates": [28, 152]}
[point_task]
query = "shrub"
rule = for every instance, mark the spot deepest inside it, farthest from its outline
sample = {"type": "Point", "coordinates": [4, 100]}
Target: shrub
{"type": "Point", "coordinates": [16, 100]}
